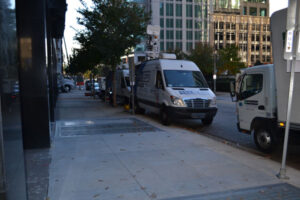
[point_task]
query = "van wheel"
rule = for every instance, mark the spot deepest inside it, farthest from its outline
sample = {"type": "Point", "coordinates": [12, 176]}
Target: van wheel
{"type": "Point", "coordinates": [138, 109]}
{"type": "Point", "coordinates": [164, 117]}
{"type": "Point", "coordinates": [264, 139]}
{"type": "Point", "coordinates": [207, 121]}
{"type": "Point", "coordinates": [67, 88]}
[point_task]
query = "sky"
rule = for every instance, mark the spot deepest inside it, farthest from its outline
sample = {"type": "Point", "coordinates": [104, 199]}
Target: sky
{"type": "Point", "coordinates": [72, 27]}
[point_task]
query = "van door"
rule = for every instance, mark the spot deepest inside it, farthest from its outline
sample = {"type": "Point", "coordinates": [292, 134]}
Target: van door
{"type": "Point", "coordinates": [250, 99]}
{"type": "Point", "coordinates": [159, 88]}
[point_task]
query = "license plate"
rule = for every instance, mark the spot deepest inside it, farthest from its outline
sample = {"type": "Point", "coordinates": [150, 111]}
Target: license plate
{"type": "Point", "coordinates": [198, 115]}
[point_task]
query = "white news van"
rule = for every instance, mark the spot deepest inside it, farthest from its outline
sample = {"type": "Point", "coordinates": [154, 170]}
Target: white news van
{"type": "Point", "coordinates": [123, 89]}
{"type": "Point", "coordinates": [174, 89]}
{"type": "Point", "coordinates": [262, 94]}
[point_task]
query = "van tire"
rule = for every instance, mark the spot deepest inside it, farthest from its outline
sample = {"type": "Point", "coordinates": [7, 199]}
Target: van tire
{"type": "Point", "coordinates": [164, 117]}
{"type": "Point", "coordinates": [264, 139]}
{"type": "Point", "coordinates": [138, 109]}
{"type": "Point", "coordinates": [207, 121]}
{"type": "Point", "coordinates": [67, 88]}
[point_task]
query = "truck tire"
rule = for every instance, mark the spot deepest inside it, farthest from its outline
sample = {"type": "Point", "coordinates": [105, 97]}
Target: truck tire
{"type": "Point", "coordinates": [207, 121]}
{"type": "Point", "coordinates": [264, 139]}
{"type": "Point", "coordinates": [164, 117]}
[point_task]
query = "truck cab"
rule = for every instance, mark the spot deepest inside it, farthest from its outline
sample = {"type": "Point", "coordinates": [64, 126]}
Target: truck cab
{"type": "Point", "coordinates": [256, 105]}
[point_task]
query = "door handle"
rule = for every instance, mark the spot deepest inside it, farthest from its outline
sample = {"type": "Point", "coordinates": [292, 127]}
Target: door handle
{"type": "Point", "coordinates": [261, 107]}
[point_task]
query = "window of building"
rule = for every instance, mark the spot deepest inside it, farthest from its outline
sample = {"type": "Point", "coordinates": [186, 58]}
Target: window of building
{"type": "Point", "coordinates": [263, 12]}
{"type": "Point", "coordinates": [198, 25]}
{"type": "Point", "coordinates": [189, 46]}
{"type": "Point", "coordinates": [268, 58]}
{"type": "Point", "coordinates": [178, 10]}
{"type": "Point", "coordinates": [245, 11]}
{"type": "Point", "coordinates": [179, 45]}
{"type": "Point", "coordinates": [221, 25]}
{"type": "Point", "coordinates": [253, 37]}
{"type": "Point", "coordinates": [170, 45]}
{"type": "Point", "coordinates": [252, 47]}
{"type": "Point", "coordinates": [169, 9]}
{"type": "Point", "coordinates": [169, 23]}
{"type": "Point", "coordinates": [241, 36]}
{"type": "Point", "coordinates": [227, 25]}
{"type": "Point", "coordinates": [232, 26]}
{"type": "Point", "coordinates": [216, 25]}
{"type": "Point", "coordinates": [178, 23]}
{"type": "Point", "coordinates": [189, 1]}
{"type": "Point", "coordinates": [268, 48]}
{"type": "Point", "coordinates": [189, 10]}
{"type": "Point", "coordinates": [257, 38]}
{"type": "Point", "coordinates": [257, 48]}
{"type": "Point", "coordinates": [252, 58]}
{"type": "Point", "coordinates": [245, 37]}
{"type": "Point", "coordinates": [161, 10]}
{"type": "Point", "coordinates": [170, 35]}
{"type": "Point", "coordinates": [162, 46]}
{"type": "Point", "coordinates": [233, 36]}
{"type": "Point", "coordinates": [198, 11]}
{"type": "Point", "coordinates": [253, 11]}
{"type": "Point", "coordinates": [178, 35]}
{"type": "Point", "coordinates": [161, 22]}
{"type": "Point", "coordinates": [223, 3]}
{"type": "Point", "coordinates": [197, 35]}
{"type": "Point", "coordinates": [189, 23]}
{"type": "Point", "coordinates": [162, 34]}
{"type": "Point", "coordinates": [268, 38]}
{"type": "Point", "coordinates": [189, 35]}
{"type": "Point", "coordinates": [264, 27]}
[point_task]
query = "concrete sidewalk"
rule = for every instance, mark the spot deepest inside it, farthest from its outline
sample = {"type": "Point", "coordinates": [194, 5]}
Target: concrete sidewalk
{"type": "Point", "coordinates": [100, 152]}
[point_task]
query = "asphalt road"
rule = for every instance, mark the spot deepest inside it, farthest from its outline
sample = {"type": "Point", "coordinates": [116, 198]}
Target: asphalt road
{"type": "Point", "coordinates": [224, 128]}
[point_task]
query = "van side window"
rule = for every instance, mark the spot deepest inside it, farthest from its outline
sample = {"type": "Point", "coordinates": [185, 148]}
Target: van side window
{"type": "Point", "coordinates": [159, 82]}
{"type": "Point", "coordinates": [252, 84]}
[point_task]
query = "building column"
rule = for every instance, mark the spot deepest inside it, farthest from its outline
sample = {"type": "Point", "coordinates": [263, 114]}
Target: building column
{"type": "Point", "coordinates": [33, 74]}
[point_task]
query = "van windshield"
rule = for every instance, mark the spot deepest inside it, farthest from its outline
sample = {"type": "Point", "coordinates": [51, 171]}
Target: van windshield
{"type": "Point", "coordinates": [182, 78]}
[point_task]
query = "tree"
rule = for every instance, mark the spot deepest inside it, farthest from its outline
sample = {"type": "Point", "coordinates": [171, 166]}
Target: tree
{"type": "Point", "coordinates": [111, 28]}
{"type": "Point", "coordinates": [202, 55]}
{"type": "Point", "coordinates": [180, 55]}
{"type": "Point", "coordinates": [229, 60]}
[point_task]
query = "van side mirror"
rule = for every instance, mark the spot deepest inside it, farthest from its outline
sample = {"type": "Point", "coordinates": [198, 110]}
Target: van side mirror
{"type": "Point", "coordinates": [232, 91]}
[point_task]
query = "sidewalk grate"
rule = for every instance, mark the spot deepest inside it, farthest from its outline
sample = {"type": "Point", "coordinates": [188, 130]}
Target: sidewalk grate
{"type": "Point", "coordinates": [282, 191]}
{"type": "Point", "coordinates": [104, 126]}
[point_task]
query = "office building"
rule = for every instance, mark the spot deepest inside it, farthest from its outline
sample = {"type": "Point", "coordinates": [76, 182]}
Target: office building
{"type": "Point", "coordinates": [244, 23]}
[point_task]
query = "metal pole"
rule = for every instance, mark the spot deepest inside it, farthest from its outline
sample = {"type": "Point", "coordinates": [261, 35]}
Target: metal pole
{"type": "Point", "coordinates": [132, 81]}
{"type": "Point", "coordinates": [282, 171]}
{"type": "Point", "coordinates": [215, 72]}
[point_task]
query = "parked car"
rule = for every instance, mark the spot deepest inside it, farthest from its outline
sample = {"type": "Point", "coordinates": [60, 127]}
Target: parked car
{"type": "Point", "coordinates": [88, 85]}
{"type": "Point", "coordinates": [65, 84]}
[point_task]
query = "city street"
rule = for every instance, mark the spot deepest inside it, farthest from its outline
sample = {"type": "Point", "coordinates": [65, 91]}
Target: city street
{"type": "Point", "coordinates": [224, 128]}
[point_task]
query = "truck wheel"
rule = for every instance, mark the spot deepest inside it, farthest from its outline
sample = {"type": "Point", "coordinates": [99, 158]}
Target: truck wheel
{"type": "Point", "coordinates": [164, 117]}
{"type": "Point", "coordinates": [264, 140]}
{"type": "Point", "coordinates": [207, 121]}
{"type": "Point", "coordinates": [67, 88]}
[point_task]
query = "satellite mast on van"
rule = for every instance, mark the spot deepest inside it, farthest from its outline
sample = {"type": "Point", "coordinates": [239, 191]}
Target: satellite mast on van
{"type": "Point", "coordinates": [152, 46]}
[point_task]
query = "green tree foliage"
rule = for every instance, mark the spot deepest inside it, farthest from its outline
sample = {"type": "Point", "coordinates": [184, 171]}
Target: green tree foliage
{"type": "Point", "coordinates": [111, 28]}
{"type": "Point", "coordinates": [229, 60]}
{"type": "Point", "coordinates": [180, 55]}
{"type": "Point", "coordinates": [202, 55]}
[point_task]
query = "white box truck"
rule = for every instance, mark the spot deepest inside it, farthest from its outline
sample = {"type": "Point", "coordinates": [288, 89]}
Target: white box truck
{"type": "Point", "coordinates": [262, 94]}
{"type": "Point", "coordinates": [174, 89]}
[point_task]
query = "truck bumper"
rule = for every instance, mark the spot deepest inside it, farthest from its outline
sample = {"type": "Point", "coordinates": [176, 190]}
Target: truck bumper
{"type": "Point", "coordinates": [191, 113]}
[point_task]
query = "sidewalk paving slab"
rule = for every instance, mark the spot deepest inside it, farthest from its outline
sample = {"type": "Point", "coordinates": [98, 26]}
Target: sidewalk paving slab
{"type": "Point", "coordinates": [153, 163]}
